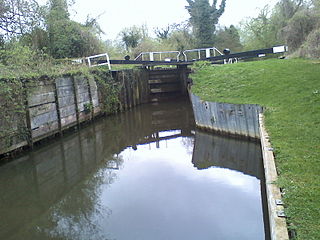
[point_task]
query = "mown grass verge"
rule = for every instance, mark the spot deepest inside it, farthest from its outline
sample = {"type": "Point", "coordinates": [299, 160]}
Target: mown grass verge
{"type": "Point", "coordinates": [290, 91]}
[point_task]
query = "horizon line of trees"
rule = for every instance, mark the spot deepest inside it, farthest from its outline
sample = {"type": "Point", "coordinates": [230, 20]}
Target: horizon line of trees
{"type": "Point", "coordinates": [49, 30]}
{"type": "Point", "coordinates": [295, 23]}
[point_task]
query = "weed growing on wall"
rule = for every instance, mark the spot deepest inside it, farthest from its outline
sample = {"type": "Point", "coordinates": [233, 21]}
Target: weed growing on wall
{"type": "Point", "coordinates": [108, 89]}
{"type": "Point", "coordinates": [12, 113]}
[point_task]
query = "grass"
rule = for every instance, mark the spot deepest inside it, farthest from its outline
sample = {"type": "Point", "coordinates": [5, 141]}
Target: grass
{"type": "Point", "coordinates": [290, 91]}
{"type": "Point", "coordinates": [39, 70]}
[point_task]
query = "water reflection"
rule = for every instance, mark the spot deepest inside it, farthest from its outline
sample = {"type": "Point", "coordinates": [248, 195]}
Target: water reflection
{"type": "Point", "coordinates": [214, 150]}
{"type": "Point", "coordinates": [144, 174]}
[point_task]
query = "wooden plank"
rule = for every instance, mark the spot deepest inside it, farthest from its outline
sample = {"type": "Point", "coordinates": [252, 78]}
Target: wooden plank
{"type": "Point", "coordinates": [80, 80]}
{"type": "Point", "coordinates": [81, 105]}
{"type": "Point", "coordinates": [57, 107]}
{"type": "Point", "coordinates": [76, 100]}
{"type": "Point", "coordinates": [27, 115]}
{"type": "Point", "coordinates": [67, 111]}
{"type": "Point", "coordinates": [41, 99]}
{"type": "Point", "coordinates": [174, 76]}
{"type": "Point", "coordinates": [165, 89]}
{"type": "Point", "coordinates": [90, 98]}
{"type": "Point", "coordinates": [95, 101]}
{"type": "Point", "coordinates": [40, 89]}
{"type": "Point", "coordinates": [39, 83]}
{"type": "Point", "coordinates": [164, 80]}
{"type": "Point", "coordinates": [69, 120]}
{"type": "Point", "coordinates": [66, 101]}
{"type": "Point", "coordinates": [41, 109]}
{"type": "Point", "coordinates": [164, 72]}
{"type": "Point", "coordinates": [94, 93]}
{"type": "Point", "coordinates": [12, 147]}
{"type": "Point", "coordinates": [64, 81]}
{"type": "Point", "coordinates": [84, 116]}
{"type": "Point", "coordinates": [96, 110]}
{"type": "Point", "coordinates": [82, 88]}
{"type": "Point", "coordinates": [65, 91]}
{"type": "Point", "coordinates": [83, 97]}
{"type": "Point", "coordinates": [43, 119]}
{"type": "Point", "coordinates": [48, 128]}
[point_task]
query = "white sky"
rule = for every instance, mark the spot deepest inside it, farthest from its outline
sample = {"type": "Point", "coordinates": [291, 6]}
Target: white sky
{"type": "Point", "coordinates": [118, 14]}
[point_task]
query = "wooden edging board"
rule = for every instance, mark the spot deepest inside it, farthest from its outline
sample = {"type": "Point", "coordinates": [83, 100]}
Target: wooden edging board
{"type": "Point", "coordinates": [277, 220]}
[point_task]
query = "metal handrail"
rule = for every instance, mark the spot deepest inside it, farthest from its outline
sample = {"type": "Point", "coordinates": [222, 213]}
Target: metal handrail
{"type": "Point", "coordinates": [152, 55]}
{"type": "Point", "coordinates": [99, 64]}
{"type": "Point", "coordinates": [199, 50]}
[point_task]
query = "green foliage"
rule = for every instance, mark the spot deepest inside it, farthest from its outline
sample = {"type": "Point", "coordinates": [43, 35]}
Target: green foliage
{"type": "Point", "coordinates": [88, 107]}
{"type": "Point", "coordinates": [69, 39]}
{"type": "Point", "coordinates": [203, 18]}
{"type": "Point", "coordinates": [114, 49]}
{"type": "Point", "coordinates": [259, 32]}
{"type": "Point", "coordinates": [12, 124]}
{"type": "Point", "coordinates": [311, 47]}
{"type": "Point", "coordinates": [37, 40]}
{"type": "Point", "coordinates": [136, 40]}
{"type": "Point", "coordinates": [290, 22]}
{"type": "Point", "coordinates": [17, 54]}
{"type": "Point", "coordinates": [181, 38]}
{"type": "Point", "coordinates": [58, 10]}
{"type": "Point", "coordinates": [109, 90]}
{"type": "Point", "coordinates": [290, 91]}
{"type": "Point", "coordinates": [298, 28]}
{"type": "Point", "coordinates": [228, 38]}
{"type": "Point", "coordinates": [48, 29]}
{"type": "Point", "coordinates": [19, 61]}
{"type": "Point", "coordinates": [131, 37]}
{"type": "Point", "coordinates": [200, 65]}
{"type": "Point", "coordinates": [146, 45]}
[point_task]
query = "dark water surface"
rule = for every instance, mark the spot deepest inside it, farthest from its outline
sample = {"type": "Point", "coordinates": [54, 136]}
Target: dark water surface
{"type": "Point", "coordinates": [142, 175]}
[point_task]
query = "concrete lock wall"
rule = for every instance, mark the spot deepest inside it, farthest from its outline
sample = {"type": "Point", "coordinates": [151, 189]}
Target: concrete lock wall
{"type": "Point", "coordinates": [246, 120]}
{"type": "Point", "coordinates": [48, 106]}
{"type": "Point", "coordinates": [233, 119]}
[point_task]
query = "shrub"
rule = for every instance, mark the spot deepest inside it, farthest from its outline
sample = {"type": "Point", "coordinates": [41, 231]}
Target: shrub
{"type": "Point", "coordinates": [311, 47]}
{"type": "Point", "coordinates": [298, 28]}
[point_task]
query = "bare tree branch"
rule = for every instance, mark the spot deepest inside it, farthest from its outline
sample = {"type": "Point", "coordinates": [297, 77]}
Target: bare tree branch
{"type": "Point", "coordinates": [19, 16]}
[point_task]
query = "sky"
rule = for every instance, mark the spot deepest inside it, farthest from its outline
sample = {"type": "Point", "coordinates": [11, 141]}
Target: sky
{"type": "Point", "coordinates": [118, 14]}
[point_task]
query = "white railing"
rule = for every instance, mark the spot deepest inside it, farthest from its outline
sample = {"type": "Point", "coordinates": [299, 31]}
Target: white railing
{"type": "Point", "coordinates": [151, 56]}
{"type": "Point", "coordinates": [209, 52]}
{"type": "Point", "coordinates": [99, 56]}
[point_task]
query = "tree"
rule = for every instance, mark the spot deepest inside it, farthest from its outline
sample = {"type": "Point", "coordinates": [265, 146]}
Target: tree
{"type": "Point", "coordinates": [68, 38]}
{"type": "Point", "coordinates": [295, 23]}
{"type": "Point", "coordinates": [18, 17]}
{"type": "Point", "coordinates": [228, 38]}
{"type": "Point", "coordinates": [131, 37]}
{"type": "Point", "coordinates": [37, 39]}
{"type": "Point", "coordinates": [163, 33]}
{"type": "Point", "coordinates": [298, 28]}
{"type": "Point", "coordinates": [204, 18]}
{"type": "Point", "coordinates": [181, 37]}
{"type": "Point", "coordinates": [260, 32]}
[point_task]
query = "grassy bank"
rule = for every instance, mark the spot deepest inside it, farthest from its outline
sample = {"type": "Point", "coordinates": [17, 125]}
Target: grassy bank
{"type": "Point", "coordinates": [290, 91]}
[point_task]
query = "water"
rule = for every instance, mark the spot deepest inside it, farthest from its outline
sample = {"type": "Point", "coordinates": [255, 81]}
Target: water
{"type": "Point", "coordinates": [144, 174]}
